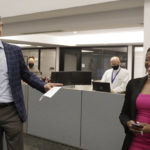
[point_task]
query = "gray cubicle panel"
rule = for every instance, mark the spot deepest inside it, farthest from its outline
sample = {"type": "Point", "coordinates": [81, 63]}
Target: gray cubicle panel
{"type": "Point", "coordinates": [25, 94]}
{"type": "Point", "coordinates": [4, 144]}
{"type": "Point", "coordinates": [101, 129]}
{"type": "Point", "coordinates": [58, 118]}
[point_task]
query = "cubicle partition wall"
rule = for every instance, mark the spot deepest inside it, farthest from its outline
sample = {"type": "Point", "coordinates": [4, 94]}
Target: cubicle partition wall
{"type": "Point", "coordinates": [58, 118]}
{"type": "Point", "coordinates": [101, 129]}
{"type": "Point", "coordinates": [84, 119]}
{"type": "Point", "coordinates": [25, 90]}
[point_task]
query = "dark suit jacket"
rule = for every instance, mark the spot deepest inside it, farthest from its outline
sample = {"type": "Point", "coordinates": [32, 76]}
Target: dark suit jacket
{"type": "Point", "coordinates": [128, 112]}
{"type": "Point", "coordinates": [17, 71]}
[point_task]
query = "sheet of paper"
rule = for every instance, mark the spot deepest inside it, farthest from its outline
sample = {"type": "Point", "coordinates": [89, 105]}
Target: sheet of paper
{"type": "Point", "coordinates": [50, 93]}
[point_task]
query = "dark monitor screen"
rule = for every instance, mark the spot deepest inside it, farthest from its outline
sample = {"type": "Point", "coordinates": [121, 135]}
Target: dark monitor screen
{"type": "Point", "coordinates": [82, 77]}
{"type": "Point", "coordinates": [72, 77]}
{"type": "Point", "coordinates": [101, 86]}
{"type": "Point", "coordinates": [61, 77]}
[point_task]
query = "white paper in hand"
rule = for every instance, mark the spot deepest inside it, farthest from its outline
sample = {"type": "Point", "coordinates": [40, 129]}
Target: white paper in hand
{"type": "Point", "coordinates": [50, 93]}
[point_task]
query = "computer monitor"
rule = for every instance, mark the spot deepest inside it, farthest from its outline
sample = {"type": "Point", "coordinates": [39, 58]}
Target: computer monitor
{"type": "Point", "coordinates": [101, 86]}
{"type": "Point", "coordinates": [61, 77]}
{"type": "Point", "coordinates": [72, 77]}
{"type": "Point", "coordinates": [82, 77]}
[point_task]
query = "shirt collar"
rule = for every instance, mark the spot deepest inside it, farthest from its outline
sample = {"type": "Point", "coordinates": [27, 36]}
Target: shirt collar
{"type": "Point", "coordinates": [1, 45]}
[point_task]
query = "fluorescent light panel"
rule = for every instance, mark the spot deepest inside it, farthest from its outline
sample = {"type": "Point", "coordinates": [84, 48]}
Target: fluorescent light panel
{"type": "Point", "coordinates": [21, 45]}
{"type": "Point", "coordinates": [87, 51]}
{"type": "Point", "coordinates": [118, 36]}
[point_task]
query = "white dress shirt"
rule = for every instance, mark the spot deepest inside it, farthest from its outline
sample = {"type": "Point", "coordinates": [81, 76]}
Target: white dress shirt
{"type": "Point", "coordinates": [5, 91]}
{"type": "Point", "coordinates": [120, 76]}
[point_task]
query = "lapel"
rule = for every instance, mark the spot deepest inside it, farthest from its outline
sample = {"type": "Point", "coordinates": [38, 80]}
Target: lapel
{"type": "Point", "coordinates": [8, 57]}
{"type": "Point", "coordinates": [138, 87]}
{"type": "Point", "coordinates": [140, 84]}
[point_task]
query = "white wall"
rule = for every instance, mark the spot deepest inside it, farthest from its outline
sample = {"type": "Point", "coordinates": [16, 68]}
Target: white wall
{"type": "Point", "coordinates": [140, 55]}
{"type": "Point", "coordinates": [139, 62]}
{"type": "Point", "coordinates": [21, 7]}
{"type": "Point", "coordinates": [107, 20]}
{"type": "Point", "coordinates": [147, 24]}
{"type": "Point", "coordinates": [48, 62]}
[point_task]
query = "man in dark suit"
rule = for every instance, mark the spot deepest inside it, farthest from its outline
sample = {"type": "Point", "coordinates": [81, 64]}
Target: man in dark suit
{"type": "Point", "coordinates": [12, 109]}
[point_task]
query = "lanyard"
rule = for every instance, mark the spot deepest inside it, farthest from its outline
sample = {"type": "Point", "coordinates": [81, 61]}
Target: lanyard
{"type": "Point", "coordinates": [113, 78]}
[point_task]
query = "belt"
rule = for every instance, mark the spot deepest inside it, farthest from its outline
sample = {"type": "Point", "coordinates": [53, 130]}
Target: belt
{"type": "Point", "coordinates": [6, 104]}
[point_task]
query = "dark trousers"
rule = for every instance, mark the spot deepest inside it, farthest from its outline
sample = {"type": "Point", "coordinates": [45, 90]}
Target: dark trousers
{"type": "Point", "coordinates": [12, 126]}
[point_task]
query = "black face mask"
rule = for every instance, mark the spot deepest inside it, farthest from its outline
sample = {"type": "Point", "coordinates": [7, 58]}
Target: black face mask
{"type": "Point", "coordinates": [31, 65]}
{"type": "Point", "coordinates": [115, 67]}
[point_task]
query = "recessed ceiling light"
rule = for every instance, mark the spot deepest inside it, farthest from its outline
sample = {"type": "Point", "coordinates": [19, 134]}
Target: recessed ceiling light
{"type": "Point", "coordinates": [87, 51]}
{"type": "Point", "coordinates": [75, 32]}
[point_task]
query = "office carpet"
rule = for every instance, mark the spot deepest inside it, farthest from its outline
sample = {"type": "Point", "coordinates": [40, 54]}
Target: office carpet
{"type": "Point", "coordinates": [35, 143]}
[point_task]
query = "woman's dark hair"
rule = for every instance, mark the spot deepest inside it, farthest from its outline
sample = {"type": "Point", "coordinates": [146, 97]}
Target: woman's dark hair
{"type": "Point", "coordinates": [148, 50]}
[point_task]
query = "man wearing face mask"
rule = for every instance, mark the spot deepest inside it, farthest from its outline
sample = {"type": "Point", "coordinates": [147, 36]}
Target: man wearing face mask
{"type": "Point", "coordinates": [32, 68]}
{"type": "Point", "coordinates": [117, 77]}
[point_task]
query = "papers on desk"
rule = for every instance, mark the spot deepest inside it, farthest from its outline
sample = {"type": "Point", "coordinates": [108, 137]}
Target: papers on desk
{"type": "Point", "coordinates": [50, 93]}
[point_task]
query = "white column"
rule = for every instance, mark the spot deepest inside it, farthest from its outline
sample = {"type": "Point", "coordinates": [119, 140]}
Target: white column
{"type": "Point", "coordinates": [146, 27]}
{"type": "Point", "coordinates": [57, 58]}
{"type": "Point", "coordinates": [129, 67]}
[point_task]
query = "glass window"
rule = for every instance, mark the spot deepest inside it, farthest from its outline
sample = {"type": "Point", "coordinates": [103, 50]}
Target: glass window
{"type": "Point", "coordinates": [70, 59]}
{"type": "Point", "coordinates": [97, 60]}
